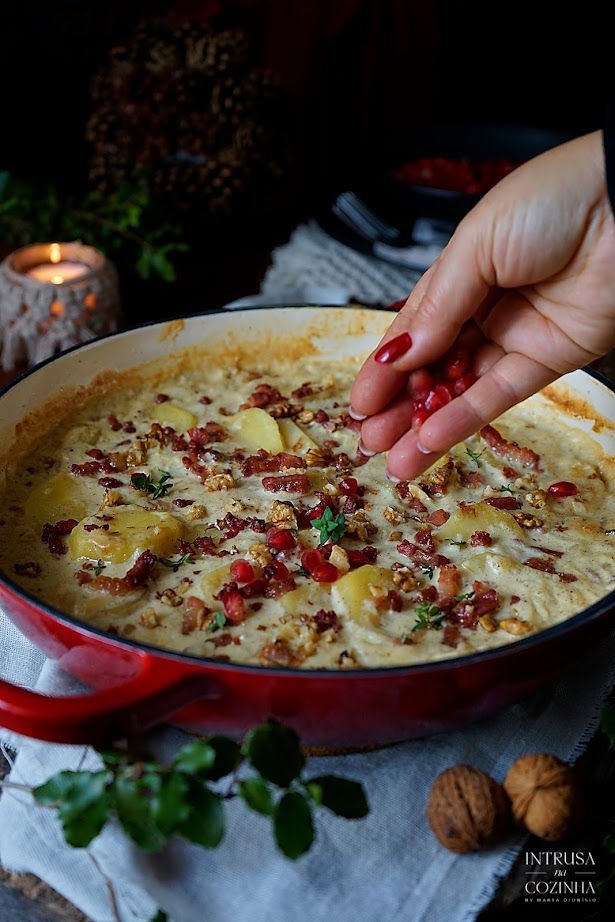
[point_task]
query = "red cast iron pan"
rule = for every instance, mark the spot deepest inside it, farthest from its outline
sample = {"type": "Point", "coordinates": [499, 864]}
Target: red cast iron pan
{"type": "Point", "coordinates": [135, 686]}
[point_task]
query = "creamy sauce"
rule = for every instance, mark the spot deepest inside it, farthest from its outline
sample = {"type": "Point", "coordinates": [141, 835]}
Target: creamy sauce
{"type": "Point", "coordinates": [160, 475]}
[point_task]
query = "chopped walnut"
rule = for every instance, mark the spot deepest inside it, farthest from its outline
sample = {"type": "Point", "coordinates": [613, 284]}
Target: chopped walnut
{"type": "Point", "coordinates": [537, 498]}
{"type": "Point", "coordinates": [261, 554]}
{"type": "Point", "coordinates": [149, 618]}
{"type": "Point", "coordinates": [196, 512]}
{"type": "Point", "coordinates": [488, 623]}
{"type": "Point", "coordinates": [339, 559]}
{"type": "Point", "coordinates": [404, 579]}
{"type": "Point", "coordinates": [526, 520]}
{"type": "Point", "coordinates": [394, 516]}
{"type": "Point", "coordinates": [217, 482]}
{"type": "Point", "coordinates": [284, 409]}
{"type": "Point", "coordinates": [318, 457]}
{"type": "Point", "coordinates": [359, 524]}
{"type": "Point", "coordinates": [396, 536]}
{"type": "Point", "coordinates": [171, 597]}
{"type": "Point", "coordinates": [516, 626]}
{"type": "Point", "coordinates": [282, 514]}
{"type": "Point", "coordinates": [305, 416]}
{"type": "Point", "coordinates": [111, 498]}
{"type": "Point", "coordinates": [137, 453]}
{"type": "Point", "coordinates": [235, 506]}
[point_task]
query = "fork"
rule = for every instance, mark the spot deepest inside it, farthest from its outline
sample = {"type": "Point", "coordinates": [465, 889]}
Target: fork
{"type": "Point", "coordinates": [359, 217]}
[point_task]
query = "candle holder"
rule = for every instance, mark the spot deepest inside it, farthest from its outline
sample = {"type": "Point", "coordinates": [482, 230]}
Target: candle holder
{"type": "Point", "coordinates": [52, 296]}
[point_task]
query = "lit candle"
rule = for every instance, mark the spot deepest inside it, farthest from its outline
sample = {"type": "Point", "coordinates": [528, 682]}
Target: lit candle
{"type": "Point", "coordinates": [57, 270]}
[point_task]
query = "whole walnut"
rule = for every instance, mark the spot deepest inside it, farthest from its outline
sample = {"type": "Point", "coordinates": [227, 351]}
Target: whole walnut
{"type": "Point", "coordinates": [467, 810]}
{"type": "Point", "coordinates": [545, 795]}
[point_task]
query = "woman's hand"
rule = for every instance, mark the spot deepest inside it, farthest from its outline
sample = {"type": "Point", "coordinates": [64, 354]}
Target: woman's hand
{"type": "Point", "coordinates": [527, 282]}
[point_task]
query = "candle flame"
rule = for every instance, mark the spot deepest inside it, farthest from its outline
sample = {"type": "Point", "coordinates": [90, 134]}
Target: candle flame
{"type": "Point", "coordinates": [55, 254]}
{"type": "Point", "coordinates": [57, 279]}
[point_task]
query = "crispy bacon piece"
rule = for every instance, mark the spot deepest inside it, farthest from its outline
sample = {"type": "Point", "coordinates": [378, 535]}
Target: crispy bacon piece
{"type": "Point", "coordinates": [540, 563]}
{"type": "Point", "coordinates": [451, 635]}
{"type": "Point", "coordinates": [135, 578]}
{"type": "Point", "coordinates": [264, 463]}
{"type": "Point", "coordinates": [53, 534]}
{"type": "Point", "coordinates": [511, 451]}
{"type": "Point", "coordinates": [449, 580]}
{"type": "Point", "coordinates": [210, 432]}
{"type": "Point", "coordinates": [291, 483]}
{"type": "Point", "coordinates": [481, 538]}
{"type": "Point", "coordinates": [420, 556]}
{"type": "Point", "coordinates": [280, 653]}
{"type": "Point", "coordinates": [325, 620]}
{"type": "Point", "coordinates": [438, 517]}
{"type": "Point", "coordinates": [262, 396]}
{"type": "Point", "coordinates": [403, 491]}
{"type": "Point", "coordinates": [503, 502]}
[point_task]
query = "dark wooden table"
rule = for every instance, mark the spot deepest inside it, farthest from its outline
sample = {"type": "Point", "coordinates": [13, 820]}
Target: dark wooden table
{"type": "Point", "coordinates": [24, 898]}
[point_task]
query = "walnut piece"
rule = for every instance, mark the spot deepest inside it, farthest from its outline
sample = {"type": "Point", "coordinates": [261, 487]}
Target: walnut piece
{"type": "Point", "coordinates": [467, 809]}
{"type": "Point", "coordinates": [545, 795]}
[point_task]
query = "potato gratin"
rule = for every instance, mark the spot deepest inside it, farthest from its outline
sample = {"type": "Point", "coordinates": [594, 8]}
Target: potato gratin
{"type": "Point", "coordinates": [226, 513]}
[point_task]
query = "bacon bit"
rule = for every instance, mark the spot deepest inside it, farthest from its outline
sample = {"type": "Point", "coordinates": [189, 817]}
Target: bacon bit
{"type": "Point", "coordinates": [305, 390]}
{"type": "Point", "coordinates": [135, 578]}
{"type": "Point", "coordinates": [194, 615]}
{"type": "Point", "coordinates": [321, 417]}
{"type": "Point", "coordinates": [514, 599]}
{"type": "Point", "coordinates": [263, 462]}
{"type": "Point", "coordinates": [114, 423]}
{"type": "Point", "coordinates": [503, 502]}
{"type": "Point", "coordinates": [539, 563]}
{"type": "Point", "coordinates": [27, 569]}
{"type": "Point", "coordinates": [449, 580]}
{"type": "Point", "coordinates": [481, 538]}
{"type": "Point", "coordinates": [451, 635]}
{"type": "Point", "coordinates": [510, 473]}
{"type": "Point", "coordinates": [96, 527]}
{"type": "Point", "coordinates": [438, 517]}
{"type": "Point", "coordinates": [179, 443]}
{"type": "Point", "coordinates": [52, 535]}
{"type": "Point", "coordinates": [567, 577]}
{"type": "Point", "coordinates": [394, 600]}
{"type": "Point", "coordinates": [362, 556]}
{"type": "Point", "coordinates": [424, 537]}
{"type": "Point", "coordinates": [182, 503]}
{"type": "Point", "coordinates": [233, 525]}
{"type": "Point", "coordinates": [210, 432]}
{"type": "Point", "coordinates": [512, 451]}
{"type": "Point", "coordinates": [325, 621]}
{"type": "Point", "coordinates": [420, 556]}
{"type": "Point", "coordinates": [471, 479]}
{"type": "Point", "coordinates": [161, 398]}
{"type": "Point", "coordinates": [96, 453]}
{"type": "Point", "coordinates": [485, 600]}
{"type": "Point", "coordinates": [403, 491]}
{"type": "Point", "coordinates": [280, 653]}
{"type": "Point", "coordinates": [291, 483]}
{"type": "Point", "coordinates": [546, 550]}
{"type": "Point", "coordinates": [262, 396]}
{"type": "Point", "coordinates": [205, 399]}
{"type": "Point", "coordinates": [428, 594]}
{"type": "Point", "coordinates": [110, 483]}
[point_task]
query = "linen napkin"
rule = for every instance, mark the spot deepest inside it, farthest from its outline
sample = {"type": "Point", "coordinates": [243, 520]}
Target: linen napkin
{"type": "Point", "coordinates": [387, 866]}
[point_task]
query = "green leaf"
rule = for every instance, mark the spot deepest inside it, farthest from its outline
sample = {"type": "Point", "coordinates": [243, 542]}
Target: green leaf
{"type": "Point", "coordinates": [257, 795]}
{"type": "Point", "coordinates": [82, 800]}
{"type": "Point", "coordinates": [275, 752]}
{"type": "Point", "coordinates": [211, 758]}
{"type": "Point", "coordinates": [170, 803]}
{"type": "Point", "coordinates": [205, 823]}
{"type": "Point", "coordinates": [195, 758]}
{"type": "Point", "coordinates": [293, 826]}
{"type": "Point", "coordinates": [330, 528]}
{"type": "Point", "coordinates": [607, 722]}
{"type": "Point", "coordinates": [160, 916]}
{"type": "Point", "coordinates": [341, 795]}
{"type": "Point", "coordinates": [228, 756]}
{"type": "Point", "coordinates": [134, 809]}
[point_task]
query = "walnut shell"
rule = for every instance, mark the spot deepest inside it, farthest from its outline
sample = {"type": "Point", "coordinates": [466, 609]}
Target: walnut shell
{"type": "Point", "coordinates": [545, 795]}
{"type": "Point", "coordinates": [467, 810]}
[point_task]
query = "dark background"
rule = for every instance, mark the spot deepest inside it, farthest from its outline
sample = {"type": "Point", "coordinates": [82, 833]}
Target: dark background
{"type": "Point", "coordinates": [361, 77]}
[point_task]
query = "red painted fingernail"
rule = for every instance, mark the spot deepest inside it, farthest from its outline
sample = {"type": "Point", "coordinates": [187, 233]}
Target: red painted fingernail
{"type": "Point", "coordinates": [393, 349]}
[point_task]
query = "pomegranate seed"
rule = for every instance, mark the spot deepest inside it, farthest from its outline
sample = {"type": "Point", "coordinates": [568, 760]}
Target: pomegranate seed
{"type": "Point", "coordinates": [311, 559]}
{"type": "Point", "coordinates": [275, 569]}
{"type": "Point", "coordinates": [242, 571]}
{"type": "Point", "coordinates": [419, 417]}
{"type": "Point", "coordinates": [563, 488]}
{"type": "Point", "coordinates": [421, 382]}
{"type": "Point", "coordinates": [438, 398]}
{"type": "Point", "coordinates": [349, 486]}
{"type": "Point", "coordinates": [325, 572]}
{"type": "Point", "coordinates": [464, 382]}
{"type": "Point", "coordinates": [358, 558]}
{"type": "Point", "coordinates": [455, 363]}
{"type": "Point", "coordinates": [280, 539]}
{"type": "Point", "coordinates": [255, 587]}
{"type": "Point", "coordinates": [232, 600]}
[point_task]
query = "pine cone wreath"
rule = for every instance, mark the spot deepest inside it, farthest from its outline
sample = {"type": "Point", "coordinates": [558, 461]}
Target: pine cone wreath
{"type": "Point", "coordinates": [189, 112]}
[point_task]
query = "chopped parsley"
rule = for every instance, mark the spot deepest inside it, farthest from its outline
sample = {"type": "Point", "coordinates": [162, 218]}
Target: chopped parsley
{"type": "Point", "coordinates": [331, 528]}
{"type": "Point", "coordinates": [219, 621]}
{"type": "Point", "coordinates": [157, 488]}
{"type": "Point", "coordinates": [428, 615]}
{"type": "Point", "coordinates": [475, 455]}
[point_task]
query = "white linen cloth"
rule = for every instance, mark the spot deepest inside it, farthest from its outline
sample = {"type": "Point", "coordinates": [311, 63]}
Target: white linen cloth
{"type": "Point", "coordinates": [383, 868]}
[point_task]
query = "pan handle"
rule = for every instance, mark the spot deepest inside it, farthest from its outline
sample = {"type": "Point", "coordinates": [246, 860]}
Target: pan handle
{"type": "Point", "coordinates": [150, 697]}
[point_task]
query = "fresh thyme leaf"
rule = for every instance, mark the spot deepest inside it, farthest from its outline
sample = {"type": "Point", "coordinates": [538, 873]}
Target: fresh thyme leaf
{"type": "Point", "coordinates": [428, 615]}
{"type": "Point", "coordinates": [457, 543]}
{"type": "Point", "coordinates": [464, 597]}
{"type": "Point", "coordinates": [300, 571]}
{"type": "Point", "coordinates": [426, 569]}
{"type": "Point", "coordinates": [176, 564]}
{"type": "Point", "coordinates": [331, 528]}
{"type": "Point", "coordinates": [219, 621]}
{"type": "Point", "coordinates": [100, 566]}
{"type": "Point", "coordinates": [146, 484]}
{"type": "Point", "coordinates": [506, 489]}
{"type": "Point", "coordinates": [474, 455]}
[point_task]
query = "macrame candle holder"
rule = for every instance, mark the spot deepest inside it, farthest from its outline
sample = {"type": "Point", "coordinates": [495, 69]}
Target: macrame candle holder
{"type": "Point", "coordinates": [52, 296]}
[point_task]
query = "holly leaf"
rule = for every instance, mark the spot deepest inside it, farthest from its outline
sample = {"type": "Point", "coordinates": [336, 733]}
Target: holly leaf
{"type": "Point", "coordinates": [211, 758]}
{"type": "Point", "coordinates": [275, 752]}
{"type": "Point", "coordinates": [293, 826]}
{"type": "Point", "coordinates": [257, 795]}
{"type": "Point", "coordinates": [205, 823]}
{"type": "Point", "coordinates": [342, 796]}
{"type": "Point", "coordinates": [83, 803]}
{"type": "Point", "coordinates": [134, 809]}
{"type": "Point", "coordinates": [170, 803]}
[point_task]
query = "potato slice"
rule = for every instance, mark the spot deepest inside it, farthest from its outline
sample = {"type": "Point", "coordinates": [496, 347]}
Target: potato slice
{"type": "Point", "coordinates": [295, 439]}
{"type": "Point", "coordinates": [255, 429]}
{"type": "Point", "coordinates": [480, 517]}
{"type": "Point", "coordinates": [168, 414]}
{"type": "Point", "coordinates": [308, 597]}
{"type": "Point", "coordinates": [213, 581]}
{"type": "Point", "coordinates": [131, 529]}
{"type": "Point", "coordinates": [62, 497]}
{"type": "Point", "coordinates": [352, 591]}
